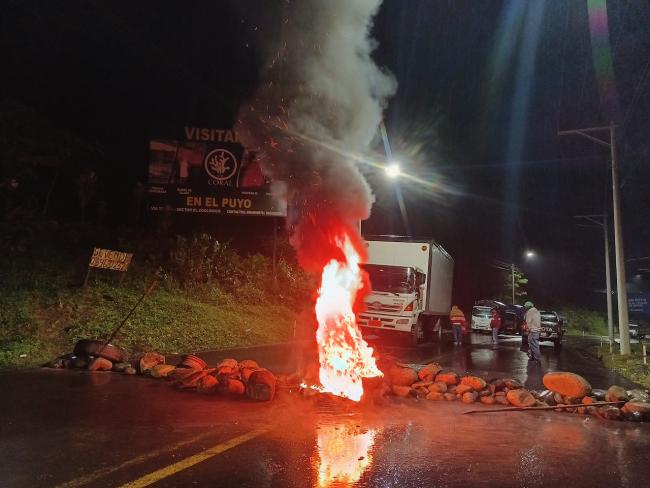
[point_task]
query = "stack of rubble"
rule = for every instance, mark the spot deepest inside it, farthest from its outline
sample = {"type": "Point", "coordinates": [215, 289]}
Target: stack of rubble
{"type": "Point", "coordinates": [566, 391]}
{"type": "Point", "coordinates": [229, 377]}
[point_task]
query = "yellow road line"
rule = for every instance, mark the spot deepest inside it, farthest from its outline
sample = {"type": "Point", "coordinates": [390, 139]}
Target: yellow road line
{"type": "Point", "coordinates": [100, 473]}
{"type": "Point", "coordinates": [186, 463]}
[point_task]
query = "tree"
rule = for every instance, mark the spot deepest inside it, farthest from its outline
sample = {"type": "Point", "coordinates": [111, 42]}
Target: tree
{"type": "Point", "coordinates": [510, 276]}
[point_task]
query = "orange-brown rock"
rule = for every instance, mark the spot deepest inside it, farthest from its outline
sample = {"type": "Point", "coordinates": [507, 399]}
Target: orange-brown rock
{"type": "Point", "coordinates": [469, 397]}
{"type": "Point", "coordinates": [429, 371]}
{"type": "Point", "coordinates": [261, 385]}
{"type": "Point", "coordinates": [634, 406]}
{"type": "Point", "coordinates": [520, 398]}
{"type": "Point", "coordinates": [235, 387]}
{"type": "Point", "coordinates": [207, 384]}
{"type": "Point", "coordinates": [402, 376]}
{"type": "Point", "coordinates": [434, 395]}
{"type": "Point", "coordinates": [449, 396]}
{"type": "Point", "coordinates": [462, 389]}
{"type": "Point", "coordinates": [248, 363]}
{"type": "Point", "coordinates": [149, 360]}
{"type": "Point", "coordinates": [487, 400]}
{"type": "Point", "coordinates": [438, 386]}
{"type": "Point", "coordinates": [161, 370]}
{"type": "Point", "coordinates": [100, 364]}
{"type": "Point", "coordinates": [231, 363]}
{"type": "Point", "coordinates": [567, 384]}
{"type": "Point", "coordinates": [401, 390]}
{"type": "Point", "coordinates": [474, 381]}
{"type": "Point", "coordinates": [616, 393]}
{"type": "Point", "coordinates": [422, 384]}
{"type": "Point", "coordinates": [448, 377]}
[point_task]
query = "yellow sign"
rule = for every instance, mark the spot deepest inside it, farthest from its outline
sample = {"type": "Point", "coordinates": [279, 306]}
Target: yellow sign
{"type": "Point", "coordinates": [107, 259]}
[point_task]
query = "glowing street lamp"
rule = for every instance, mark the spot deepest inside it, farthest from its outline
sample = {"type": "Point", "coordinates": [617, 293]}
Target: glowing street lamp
{"type": "Point", "coordinates": [393, 170]}
{"type": "Point", "coordinates": [530, 254]}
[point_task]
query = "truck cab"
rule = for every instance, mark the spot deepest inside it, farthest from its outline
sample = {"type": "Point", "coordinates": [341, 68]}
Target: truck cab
{"type": "Point", "coordinates": [411, 287]}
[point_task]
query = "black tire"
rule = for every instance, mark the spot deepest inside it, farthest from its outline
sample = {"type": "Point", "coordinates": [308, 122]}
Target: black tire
{"type": "Point", "coordinates": [524, 341]}
{"type": "Point", "coordinates": [417, 333]}
{"type": "Point", "coordinates": [91, 347]}
{"type": "Point", "coordinates": [557, 343]}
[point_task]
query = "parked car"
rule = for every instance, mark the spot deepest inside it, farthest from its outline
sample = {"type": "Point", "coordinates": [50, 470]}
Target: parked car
{"type": "Point", "coordinates": [552, 328]}
{"type": "Point", "coordinates": [482, 314]}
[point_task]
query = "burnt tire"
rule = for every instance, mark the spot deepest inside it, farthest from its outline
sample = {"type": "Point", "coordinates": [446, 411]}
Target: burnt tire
{"type": "Point", "coordinates": [91, 347]}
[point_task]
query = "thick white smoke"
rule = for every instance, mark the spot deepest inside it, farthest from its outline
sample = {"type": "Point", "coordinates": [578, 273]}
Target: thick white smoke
{"type": "Point", "coordinates": [320, 101]}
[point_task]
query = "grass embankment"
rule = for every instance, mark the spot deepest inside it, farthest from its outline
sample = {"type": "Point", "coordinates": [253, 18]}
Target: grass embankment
{"type": "Point", "coordinates": [631, 366]}
{"type": "Point", "coordinates": [44, 310]}
{"type": "Point", "coordinates": [581, 321]}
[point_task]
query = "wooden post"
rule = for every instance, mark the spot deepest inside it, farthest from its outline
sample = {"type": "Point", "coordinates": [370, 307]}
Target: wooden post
{"type": "Point", "coordinates": [87, 276]}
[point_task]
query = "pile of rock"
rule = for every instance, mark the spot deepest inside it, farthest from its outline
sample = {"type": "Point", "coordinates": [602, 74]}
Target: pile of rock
{"type": "Point", "coordinates": [229, 377]}
{"type": "Point", "coordinates": [563, 389]}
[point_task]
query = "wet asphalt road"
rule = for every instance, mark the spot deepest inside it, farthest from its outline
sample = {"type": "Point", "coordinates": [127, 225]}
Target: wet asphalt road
{"type": "Point", "coordinates": [62, 428]}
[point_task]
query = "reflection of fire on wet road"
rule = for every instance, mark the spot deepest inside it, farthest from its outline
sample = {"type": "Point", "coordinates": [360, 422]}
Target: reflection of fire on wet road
{"type": "Point", "coordinates": [344, 454]}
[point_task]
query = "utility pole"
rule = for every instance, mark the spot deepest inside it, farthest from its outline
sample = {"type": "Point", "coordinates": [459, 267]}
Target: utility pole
{"type": "Point", "coordinates": [512, 274]}
{"type": "Point", "coordinates": [594, 219]}
{"type": "Point", "coordinates": [623, 324]}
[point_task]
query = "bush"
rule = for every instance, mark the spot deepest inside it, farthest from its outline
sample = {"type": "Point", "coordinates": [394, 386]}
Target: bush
{"type": "Point", "coordinates": [584, 321]}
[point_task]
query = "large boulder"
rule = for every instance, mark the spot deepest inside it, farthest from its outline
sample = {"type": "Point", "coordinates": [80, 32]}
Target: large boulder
{"type": "Point", "coordinates": [401, 376]}
{"type": "Point", "coordinates": [474, 381]}
{"type": "Point", "coordinates": [616, 393]}
{"type": "Point", "coordinates": [448, 377]}
{"type": "Point", "coordinates": [449, 396]}
{"type": "Point", "coordinates": [261, 385]}
{"type": "Point", "coordinates": [512, 383]}
{"type": "Point", "coordinates": [609, 412]}
{"type": "Point", "coordinates": [567, 384]}
{"type": "Point", "coordinates": [429, 371]}
{"type": "Point", "coordinates": [248, 363]}
{"type": "Point", "coordinates": [521, 398]}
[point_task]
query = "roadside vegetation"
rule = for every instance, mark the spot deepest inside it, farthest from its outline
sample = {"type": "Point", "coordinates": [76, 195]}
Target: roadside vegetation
{"type": "Point", "coordinates": [582, 321]}
{"type": "Point", "coordinates": [631, 366]}
{"type": "Point", "coordinates": [208, 294]}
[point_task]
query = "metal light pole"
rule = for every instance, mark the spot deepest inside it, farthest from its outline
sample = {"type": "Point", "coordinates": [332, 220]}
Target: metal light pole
{"type": "Point", "coordinates": [623, 324]}
{"type": "Point", "coordinates": [512, 274]}
{"type": "Point", "coordinates": [608, 280]}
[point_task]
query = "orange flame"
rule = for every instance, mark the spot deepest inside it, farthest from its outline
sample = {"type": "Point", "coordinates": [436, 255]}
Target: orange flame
{"type": "Point", "coordinates": [345, 358]}
{"type": "Point", "coordinates": [344, 454]}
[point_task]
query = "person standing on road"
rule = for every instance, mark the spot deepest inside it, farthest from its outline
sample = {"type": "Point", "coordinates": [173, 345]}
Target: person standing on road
{"type": "Point", "coordinates": [533, 328]}
{"type": "Point", "coordinates": [457, 319]}
{"type": "Point", "coordinates": [495, 323]}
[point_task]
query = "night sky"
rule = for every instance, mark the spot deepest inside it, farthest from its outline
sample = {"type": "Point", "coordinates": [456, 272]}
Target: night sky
{"type": "Point", "coordinates": [484, 86]}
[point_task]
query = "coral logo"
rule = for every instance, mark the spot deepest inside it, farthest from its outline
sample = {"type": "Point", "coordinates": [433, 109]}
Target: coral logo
{"type": "Point", "coordinates": [221, 164]}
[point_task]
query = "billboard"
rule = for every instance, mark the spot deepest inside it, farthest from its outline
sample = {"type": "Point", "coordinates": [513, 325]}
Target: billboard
{"type": "Point", "coordinates": [208, 171]}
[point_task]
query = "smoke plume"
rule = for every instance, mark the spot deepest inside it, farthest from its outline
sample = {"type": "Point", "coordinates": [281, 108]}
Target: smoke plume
{"type": "Point", "coordinates": [319, 103]}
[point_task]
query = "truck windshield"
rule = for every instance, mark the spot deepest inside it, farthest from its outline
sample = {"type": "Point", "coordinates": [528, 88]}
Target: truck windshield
{"type": "Point", "coordinates": [393, 279]}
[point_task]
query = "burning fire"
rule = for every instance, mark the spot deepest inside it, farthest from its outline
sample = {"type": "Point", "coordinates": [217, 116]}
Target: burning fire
{"type": "Point", "coordinates": [344, 454]}
{"type": "Point", "coordinates": [345, 358]}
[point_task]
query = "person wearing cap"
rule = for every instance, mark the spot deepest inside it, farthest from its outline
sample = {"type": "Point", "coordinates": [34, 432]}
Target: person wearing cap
{"type": "Point", "coordinates": [457, 319]}
{"type": "Point", "coordinates": [533, 328]}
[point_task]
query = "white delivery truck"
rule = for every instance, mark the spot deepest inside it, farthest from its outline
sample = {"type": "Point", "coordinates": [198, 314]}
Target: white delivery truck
{"type": "Point", "coordinates": [411, 286]}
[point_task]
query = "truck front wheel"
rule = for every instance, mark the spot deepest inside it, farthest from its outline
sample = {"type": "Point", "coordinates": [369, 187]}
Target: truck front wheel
{"type": "Point", "coordinates": [417, 332]}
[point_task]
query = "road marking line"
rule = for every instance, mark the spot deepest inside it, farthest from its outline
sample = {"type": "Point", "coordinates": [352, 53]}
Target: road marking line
{"type": "Point", "coordinates": [100, 473]}
{"type": "Point", "coordinates": [186, 463]}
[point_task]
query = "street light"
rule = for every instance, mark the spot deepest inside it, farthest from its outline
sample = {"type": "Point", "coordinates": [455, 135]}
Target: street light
{"type": "Point", "coordinates": [393, 170]}
{"type": "Point", "coordinates": [530, 254]}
